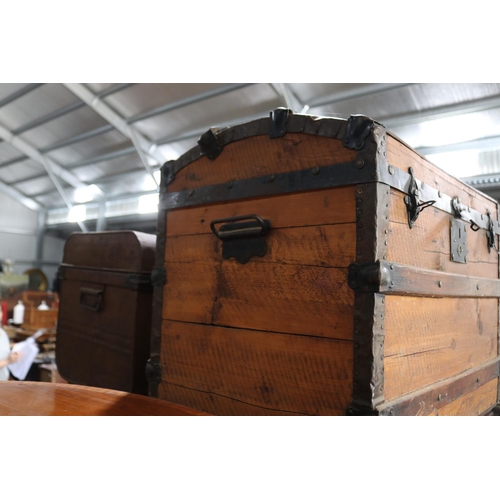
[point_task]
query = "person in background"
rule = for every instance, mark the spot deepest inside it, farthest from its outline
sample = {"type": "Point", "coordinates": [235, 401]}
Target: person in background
{"type": "Point", "coordinates": [6, 357]}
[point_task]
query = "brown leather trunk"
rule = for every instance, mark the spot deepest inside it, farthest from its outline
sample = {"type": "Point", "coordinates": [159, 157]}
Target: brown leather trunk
{"type": "Point", "coordinates": [104, 321]}
{"type": "Point", "coordinates": [320, 266]}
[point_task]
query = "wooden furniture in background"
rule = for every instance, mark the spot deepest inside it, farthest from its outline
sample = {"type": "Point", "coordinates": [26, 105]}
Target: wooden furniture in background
{"type": "Point", "coordinates": [48, 399]}
{"type": "Point", "coordinates": [34, 318]}
{"type": "Point", "coordinates": [106, 297]}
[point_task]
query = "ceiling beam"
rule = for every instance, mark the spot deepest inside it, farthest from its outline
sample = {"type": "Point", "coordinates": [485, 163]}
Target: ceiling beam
{"type": "Point", "coordinates": [19, 93]}
{"type": "Point", "coordinates": [62, 144]}
{"type": "Point", "coordinates": [52, 168]}
{"type": "Point", "coordinates": [483, 144]}
{"type": "Point", "coordinates": [20, 198]}
{"type": "Point", "coordinates": [57, 114]}
{"type": "Point", "coordinates": [130, 175]}
{"type": "Point", "coordinates": [104, 157]}
{"type": "Point", "coordinates": [447, 111]}
{"type": "Point", "coordinates": [188, 101]}
{"type": "Point", "coordinates": [197, 132]}
{"type": "Point", "coordinates": [92, 161]}
{"type": "Point", "coordinates": [354, 93]}
{"type": "Point", "coordinates": [78, 138]}
{"type": "Point", "coordinates": [10, 162]}
{"type": "Point", "coordinates": [68, 109]}
{"type": "Point", "coordinates": [118, 87]}
{"type": "Point", "coordinates": [47, 118]}
{"type": "Point", "coordinates": [102, 130]}
{"type": "Point", "coordinates": [485, 181]}
{"type": "Point", "coordinates": [33, 153]}
{"type": "Point", "coordinates": [172, 139]}
{"type": "Point", "coordinates": [112, 117]}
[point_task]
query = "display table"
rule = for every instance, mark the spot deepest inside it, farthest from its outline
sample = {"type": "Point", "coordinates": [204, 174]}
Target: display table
{"type": "Point", "coordinates": [48, 399]}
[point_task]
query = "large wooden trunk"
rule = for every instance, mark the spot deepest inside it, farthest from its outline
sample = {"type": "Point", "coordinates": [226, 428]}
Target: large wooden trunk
{"type": "Point", "coordinates": [104, 321]}
{"type": "Point", "coordinates": [320, 266]}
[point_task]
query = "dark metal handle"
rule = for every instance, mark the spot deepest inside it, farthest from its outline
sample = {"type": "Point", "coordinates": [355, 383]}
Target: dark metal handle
{"type": "Point", "coordinates": [96, 293]}
{"type": "Point", "coordinates": [242, 230]}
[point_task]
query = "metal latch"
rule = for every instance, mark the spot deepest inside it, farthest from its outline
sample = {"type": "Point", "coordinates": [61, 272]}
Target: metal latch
{"type": "Point", "coordinates": [490, 234]}
{"type": "Point", "coordinates": [458, 239]}
{"type": "Point", "coordinates": [412, 201]}
{"type": "Point", "coordinates": [242, 240]}
{"type": "Point", "coordinates": [464, 213]}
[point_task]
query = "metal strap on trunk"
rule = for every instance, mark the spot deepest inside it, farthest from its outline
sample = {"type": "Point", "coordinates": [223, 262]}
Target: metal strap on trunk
{"type": "Point", "coordinates": [402, 181]}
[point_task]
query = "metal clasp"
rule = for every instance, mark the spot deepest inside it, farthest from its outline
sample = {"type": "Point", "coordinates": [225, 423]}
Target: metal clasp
{"type": "Point", "coordinates": [412, 201]}
{"type": "Point", "coordinates": [490, 234]}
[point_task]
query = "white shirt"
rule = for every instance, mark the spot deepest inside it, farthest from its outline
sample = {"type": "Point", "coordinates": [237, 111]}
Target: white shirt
{"type": "Point", "coordinates": [4, 353]}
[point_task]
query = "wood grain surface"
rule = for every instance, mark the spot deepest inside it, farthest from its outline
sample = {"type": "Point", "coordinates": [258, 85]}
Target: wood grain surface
{"type": "Point", "coordinates": [299, 286]}
{"type": "Point", "coordinates": [233, 372]}
{"type": "Point", "coordinates": [427, 244]}
{"type": "Point", "coordinates": [472, 404]}
{"type": "Point", "coordinates": [48, 399]}
{"type": "Point", "coordinates": [403, 157]}
{"type": "Point", "coordinates": [432, 339]}
{"type": "Point", "coordinates": [257, 156]}
{"type": "Point", "coordinates": [309, 208]}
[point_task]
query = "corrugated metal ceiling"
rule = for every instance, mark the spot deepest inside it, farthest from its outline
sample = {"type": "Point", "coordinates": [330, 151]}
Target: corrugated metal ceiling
{"type": "Point", "coordinates": [437, 118]}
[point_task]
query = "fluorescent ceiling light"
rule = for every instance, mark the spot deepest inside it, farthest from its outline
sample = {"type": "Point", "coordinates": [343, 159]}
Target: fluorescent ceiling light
{"type": "Point", "coordinates": [78, 213]}
{"type": "Point", "coordinates": [148, 203]}
{"type": "Point", "coordinates": [87, 193]}
{"type": "Point", "coordinates": [453, 130]}
{"type": "Point", "coordinates": [458, 163]}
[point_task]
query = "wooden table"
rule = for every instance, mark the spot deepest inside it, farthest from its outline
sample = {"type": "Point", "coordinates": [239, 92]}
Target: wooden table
{"type": "Point", "coordinates": [47, 399]}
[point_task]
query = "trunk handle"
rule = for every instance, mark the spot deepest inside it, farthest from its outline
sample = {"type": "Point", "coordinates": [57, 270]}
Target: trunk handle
{"type": "Point", "coordinates": [240, 230]}
{"type": "Point", "coordinates": [90, 291]}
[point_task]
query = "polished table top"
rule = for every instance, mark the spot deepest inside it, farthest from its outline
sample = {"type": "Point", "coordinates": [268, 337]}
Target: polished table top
{"type": "Point", "coordinates": [49, 399]}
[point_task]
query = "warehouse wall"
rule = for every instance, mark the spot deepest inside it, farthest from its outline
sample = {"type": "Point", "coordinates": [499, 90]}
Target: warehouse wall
{"type": "Point", "coordinates": [18, 239]}
{"type": "Point", "coordinates": [52, 257]}
{"type": "Point", "coordinates": [18, 227]}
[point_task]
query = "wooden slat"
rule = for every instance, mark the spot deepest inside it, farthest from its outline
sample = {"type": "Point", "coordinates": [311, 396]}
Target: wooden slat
{"type": "Point", "coordinates": [327, 246]}
{"type": "Point", "coordinates": [329, 206]}
{"type": "Point", "coordinates": [472, 404]}
{"type": "Point", "coordinates": [299, 286]}
{"type": "Point", "coordinates": [428, 340]}
{"type": "Point", "coordinates": [293, 299]}
{"type": "Point", "coordinates": [431, 398]}
{"type": "Point", "coordinates": [272, 372]}
{"type": "Point", "coordinates": [260, 155]}
{"type": "Point", "coordinates": [220, 405]}
{"type": "Point", "coordinates": [427, 244]}
{"type": "Point", "coordinates": [191, 292]}
{"type": "Point", "coordinates": [403, 157]}
{"type": "Point", "coordinates": [400, 279]}
{"type": "Point", "coordinates": [305, 300]}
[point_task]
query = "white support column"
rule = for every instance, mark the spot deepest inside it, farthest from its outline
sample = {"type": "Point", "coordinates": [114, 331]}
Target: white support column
{"type": "Point", "coordinates": [40, 234]}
